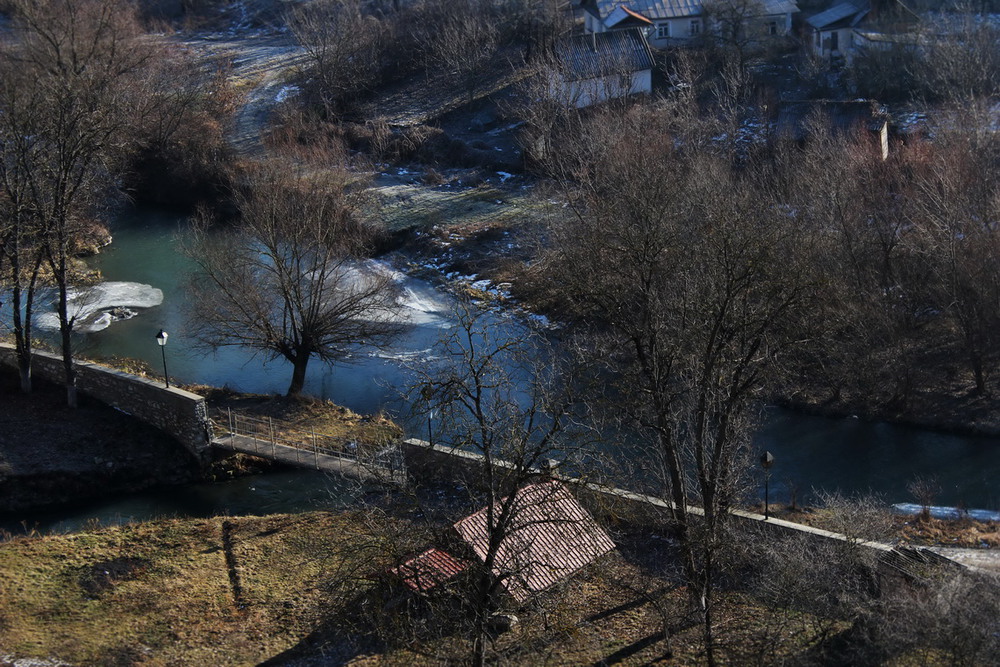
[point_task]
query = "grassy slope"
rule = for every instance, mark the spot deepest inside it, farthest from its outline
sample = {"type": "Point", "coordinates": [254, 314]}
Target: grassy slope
{"type": "Point", "coordinates": [160, 593]}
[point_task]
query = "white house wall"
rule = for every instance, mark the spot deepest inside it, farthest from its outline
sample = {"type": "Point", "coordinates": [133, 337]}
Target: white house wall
{"type": "Point", "coordinates": [679, 31]}
{"type": "Point", "coordinates": [587, 92]}
{"type": "Point", "coordinates": [822, 41]}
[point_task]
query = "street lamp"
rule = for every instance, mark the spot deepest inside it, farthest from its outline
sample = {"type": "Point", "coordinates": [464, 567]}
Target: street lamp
{"type": "Point", "coordinates": [427, 393]}
{"type": "Point", "coordinates": [161, 340]}
{"type": "Point", "coordinates": [767, 460]}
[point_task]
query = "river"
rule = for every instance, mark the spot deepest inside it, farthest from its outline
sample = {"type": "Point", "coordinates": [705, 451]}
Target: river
{"type": "Point", "coordinates": [810, 452]}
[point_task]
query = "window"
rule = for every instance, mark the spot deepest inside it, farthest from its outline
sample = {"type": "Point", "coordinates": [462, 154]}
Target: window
{"type": "Point", "coordinates": [662, 30]}
{"type": "Point", "coordinates": [834, 41]}
{"type": "Point", "coordinates": [772, 27]}
{"type": "Point", "coordinates": [695, 27]}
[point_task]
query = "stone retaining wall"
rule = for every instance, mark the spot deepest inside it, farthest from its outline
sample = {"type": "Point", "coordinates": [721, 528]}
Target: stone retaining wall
{"type": "Point", "coordinates": [611, 505]}
{"type": "Point", "coordinates": [179, 413]}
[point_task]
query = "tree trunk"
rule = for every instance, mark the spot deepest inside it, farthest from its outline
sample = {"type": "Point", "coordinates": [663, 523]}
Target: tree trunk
{"type": "Point", "coordinates": [69, 369]}
{"type": "Point", "coordinates": [299, 363]}
{"type": "Point", "coordinates": [485, 604]}
{"type": "Point", "coordinates": [24, 369]}
{"type": "Point", "coordinates": [22, 337]}
{"type": "Point", "coordinates": [66, 334]}
{"type": "Point", "coordinates": [979, 373]}
{"type": "Point", "coordinates": [707, 602]}
{"type": "Point", "coordinates": [22, 309]}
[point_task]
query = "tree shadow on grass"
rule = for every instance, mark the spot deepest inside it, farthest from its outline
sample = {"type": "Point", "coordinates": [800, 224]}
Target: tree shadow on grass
{"type": "Point", "coordinates": [376, 622]}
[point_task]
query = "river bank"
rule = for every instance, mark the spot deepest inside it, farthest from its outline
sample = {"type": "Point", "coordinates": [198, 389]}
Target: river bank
{"type": "Point", "coordinates": [945, 405]}
{"type": "Point", "coordinates": [316, 588]}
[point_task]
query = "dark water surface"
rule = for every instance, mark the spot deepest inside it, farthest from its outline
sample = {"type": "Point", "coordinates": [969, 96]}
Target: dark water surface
{"type": "Point", "coordinates": [272, 493]}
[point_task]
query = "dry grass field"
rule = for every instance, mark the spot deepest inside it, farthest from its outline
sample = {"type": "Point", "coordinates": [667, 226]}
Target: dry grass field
{"type": "Point", "coordinates": [295, 589]}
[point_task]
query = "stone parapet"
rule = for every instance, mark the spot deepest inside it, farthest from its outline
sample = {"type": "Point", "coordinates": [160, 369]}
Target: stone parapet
{"type": "Point", "coordinates": [174, 411]}
{"type": "Point", "coordinates": [611, 505]}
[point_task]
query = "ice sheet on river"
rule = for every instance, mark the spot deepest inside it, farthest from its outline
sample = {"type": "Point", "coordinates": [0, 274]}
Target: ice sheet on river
{"type": "Point", "coordinates": [92, 306]}
{"type": "Point", "coordinates": [948, 512]}
{"type": "Point", "coordinates": [418, 302]}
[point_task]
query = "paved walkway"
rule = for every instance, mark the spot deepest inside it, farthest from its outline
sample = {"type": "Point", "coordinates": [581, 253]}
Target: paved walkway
{"type": "Point", "coordinates": [303, 458]}
{"type": "Point", "coordinates": [985, 560]}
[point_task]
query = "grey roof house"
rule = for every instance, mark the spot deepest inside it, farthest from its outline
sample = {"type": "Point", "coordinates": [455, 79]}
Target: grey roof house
{"type": "Point", "coordinates": [841, 30]}
{"type": "Point", "coordinates": [674, 22]}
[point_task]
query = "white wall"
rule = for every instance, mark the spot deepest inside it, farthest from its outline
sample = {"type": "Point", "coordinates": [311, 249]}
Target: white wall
{"type": "Point", "coordinates": [845, 43]}
{"type": "Point", "coordinates": [594, 91]}
{"type": "Point", "coordinates": [680, 31]}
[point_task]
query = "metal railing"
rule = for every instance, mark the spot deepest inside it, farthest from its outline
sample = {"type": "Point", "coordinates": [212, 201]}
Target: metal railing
{"type": "Point", "coordinates": [265, 436]}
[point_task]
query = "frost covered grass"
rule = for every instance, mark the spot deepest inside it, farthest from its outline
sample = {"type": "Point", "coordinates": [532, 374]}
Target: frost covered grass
{"type": "Point", "coordinates": [410, 205]}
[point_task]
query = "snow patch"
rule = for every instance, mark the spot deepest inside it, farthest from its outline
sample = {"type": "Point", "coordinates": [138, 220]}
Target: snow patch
{"type": "Point", "coordinates": [285, 93]}
{"type": "Point", "coordinates": [95, 308]}
{"type": "Point", "coordinates": [32, 662]}
{"type": "Point", "coordinates": [939, 512]}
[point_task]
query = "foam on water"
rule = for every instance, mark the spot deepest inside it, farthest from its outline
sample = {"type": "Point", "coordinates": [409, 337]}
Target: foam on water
{"type": "Point", "coordinates": [90, 306]}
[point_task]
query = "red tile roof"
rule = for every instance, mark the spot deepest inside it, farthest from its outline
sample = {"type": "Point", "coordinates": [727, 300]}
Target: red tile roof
{"type": "Point", "coordinates": [431, 568]}
{"type": "Point", "coordinates": [550, 537]}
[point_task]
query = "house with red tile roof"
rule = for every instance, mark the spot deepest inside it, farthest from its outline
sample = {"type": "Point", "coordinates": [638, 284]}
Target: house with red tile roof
{"type": "Point", "coordinates": [546, 536]}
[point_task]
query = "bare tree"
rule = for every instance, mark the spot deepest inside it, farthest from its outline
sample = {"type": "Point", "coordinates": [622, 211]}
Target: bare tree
{"type": "Point", "coordinates": [924, 490]}
{"type": "Point", "coordinates": [683, 274]}
{"type": "Point", "coordinates": [960, 59]}
{"type": "Point", "coordinates": [503, 398]}
{"type": "Point", "coordinates": [950, 617]}
{"type": "Point", "coordinates": [465, 41]}
{"type": "Point", "coordinates": [961, 243]}
{"type": "Point", "coordinates": [860, 211]}
{"type": "Point", "coordinates": [737, 28]}
{"type": "Point", "coordinates": [343, 43]}
{"type": "Point", "coordinates": [69, 73]}
{"type": "Point", "coordinates": [187, 113]}
{"type": "Point", "coordinates": [290, 280]}
{"type": "Point", "coordinates": [21, 241]}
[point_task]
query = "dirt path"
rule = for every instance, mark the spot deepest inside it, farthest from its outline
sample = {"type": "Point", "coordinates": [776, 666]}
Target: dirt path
{"type": "Point", "coordinates": [261, 68]}
{"type": "Point", "coordinates": [423, 98]}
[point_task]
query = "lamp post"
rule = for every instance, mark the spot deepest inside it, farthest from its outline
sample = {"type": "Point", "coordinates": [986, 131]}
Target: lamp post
{"type": "Point", "coordinates": [161, 340]}
{"type": "Point", "coordinates": [766, 461]}
{"type": "Point", "coordinates": [427, 393]}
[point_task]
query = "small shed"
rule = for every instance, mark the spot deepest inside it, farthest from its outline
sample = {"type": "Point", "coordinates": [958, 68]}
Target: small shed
{"type": "Point", "coordinates": [551, 537]}
{"type": "Point", "coordinates": [429, 570]}
{"type": "Point", "coordinates": [598, 67]}
{"type": "Point", "coordinates": [831, 32]}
